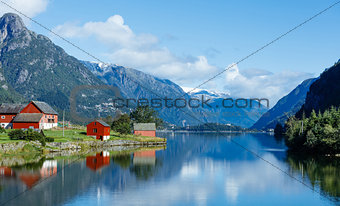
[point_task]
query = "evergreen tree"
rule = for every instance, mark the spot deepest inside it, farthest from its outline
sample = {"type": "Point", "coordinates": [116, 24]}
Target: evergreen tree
{"type": "Point", "coordinates": [122, 125]}
{"type": "Point", "coordinates": [278, 131]}
{"type": "Point", "coordinates": [320, 133]}
{"type": "Point", "coordinates": [145, 114]}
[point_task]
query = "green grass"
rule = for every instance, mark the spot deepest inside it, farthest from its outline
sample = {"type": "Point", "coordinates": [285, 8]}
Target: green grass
{"type": "Point", "coordinates": [80, 135]}
{"type": "Point", "coordinates": [69, 135]}
{"type": "Point", "coordinates": [117, 136]}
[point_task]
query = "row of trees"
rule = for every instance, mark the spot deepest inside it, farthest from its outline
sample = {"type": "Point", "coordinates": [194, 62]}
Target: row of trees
{"type": "Point", "coordinates": [142, 114]}
{"type": "Point", "coordinates": [319, 133]}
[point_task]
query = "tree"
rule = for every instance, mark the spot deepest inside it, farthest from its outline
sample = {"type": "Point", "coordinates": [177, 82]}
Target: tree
{"type": "Point", "coordinates": [122, 125]}
{"type": "Point", "coordinates": [145, 114]}
{"type": "Point", "coordinates": [320, 132]}
{"type": "Point", "coordinates": [278, 131]}
{"type": "Point", "coordinates": [109, 119]}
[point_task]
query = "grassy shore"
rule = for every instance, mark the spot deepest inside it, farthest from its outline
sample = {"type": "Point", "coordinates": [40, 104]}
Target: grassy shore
{"type": "Point", "coordinates": [71, 135]}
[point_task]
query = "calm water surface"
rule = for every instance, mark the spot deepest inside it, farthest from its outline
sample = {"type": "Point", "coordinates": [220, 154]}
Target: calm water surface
{"type": "Point", "coordinates": [194, 169]}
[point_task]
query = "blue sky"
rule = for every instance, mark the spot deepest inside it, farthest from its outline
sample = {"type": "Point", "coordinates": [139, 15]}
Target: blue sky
{"type": "Point", "coordinates": [189, 41]}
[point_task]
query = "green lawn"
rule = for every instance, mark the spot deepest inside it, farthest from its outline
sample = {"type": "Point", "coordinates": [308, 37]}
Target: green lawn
{"type": "Point", "coordinates": [80, 135]}
{"type": "Point", "coordinates": [69, 135]}
{"type": "Point", "coordinates": [117, 136]}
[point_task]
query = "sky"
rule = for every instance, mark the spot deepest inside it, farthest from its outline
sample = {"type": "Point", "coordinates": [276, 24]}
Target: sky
{"type": "Point", "coordinates": [191, 41]}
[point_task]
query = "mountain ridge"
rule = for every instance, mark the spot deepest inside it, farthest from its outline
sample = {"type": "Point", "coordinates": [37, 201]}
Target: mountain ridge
{"type": "Point", "coordinates": [285, 107]}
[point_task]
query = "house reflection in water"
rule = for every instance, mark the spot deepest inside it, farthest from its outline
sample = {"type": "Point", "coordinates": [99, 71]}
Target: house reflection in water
{"type": "Point", "coordinates": [49, 168]}
{"type": "Point", "coordinates": [7, 172]}
{"type": "Point", "coordinates": [98, 161]}
{"type": "Point", "coordinates": [144, 157]}
{"type": "Point", "coordinates": [31, 177]}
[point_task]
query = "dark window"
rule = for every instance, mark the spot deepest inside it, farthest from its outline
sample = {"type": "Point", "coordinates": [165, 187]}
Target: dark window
{"type": "Point", "coordinates": [95, 123]}
{"type": "Point", "coordinates": [94, 130]}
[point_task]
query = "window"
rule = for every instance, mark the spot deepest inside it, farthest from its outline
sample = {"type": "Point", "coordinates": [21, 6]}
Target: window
{"type": "Point", "coordinates": [94, 130]}
{"type": "Point", "coordinates": [2, 117]}
{"type": "Point", "coordinates": [95, 123]}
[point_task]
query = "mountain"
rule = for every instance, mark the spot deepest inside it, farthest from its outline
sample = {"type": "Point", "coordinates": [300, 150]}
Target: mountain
{"type": "Point", "coordinates": [207, 93]}
{"type": "Point", "coordinates": [285, 107]}
{"type": "Point", "coordinates": [33, 68]}
{"type": "Point", "coordinates": [324, 92]}
{"type": "Point", "coordinates": [134, 84]}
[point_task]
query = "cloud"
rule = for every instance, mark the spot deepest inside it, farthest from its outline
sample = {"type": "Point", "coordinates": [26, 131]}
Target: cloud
{"type": "Point", "coordinates": [256, 83]}
{"type": "Point", "coordinates": [140, 51]}
{"type": "Point", "coordinates": [29, 7]}
{"type": "Point", "coordinates": [121, 45]}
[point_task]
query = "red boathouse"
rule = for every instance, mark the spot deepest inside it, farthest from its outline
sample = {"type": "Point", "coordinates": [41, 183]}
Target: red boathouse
{"type": "Point", "coordinates": [144, 129]}
{"type": "Point", "coordinates": [98, 129]}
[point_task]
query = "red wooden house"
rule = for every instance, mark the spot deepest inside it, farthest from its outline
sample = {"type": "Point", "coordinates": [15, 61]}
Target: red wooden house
{"type": "Point", "coordinates": [8, 112]}
{"type": "Point", "coordinates": [98, 129]}
{"type": "Point", "coordinates": [36, 115]}
{"type": "Point", "coordinates": [144, 129]}
{"type": "Point", "coordinates": [97, 162]}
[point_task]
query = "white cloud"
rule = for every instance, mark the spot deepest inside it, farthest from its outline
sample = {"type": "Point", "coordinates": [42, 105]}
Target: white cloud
{"type": "Point", "coordinates": [140, 51]}
{"type": "Point", "coordinates": [255, 83]}
{"type": "Point", "coordinates": [121, 45]}
{"type": "Point", "coordinates": [30, 8]}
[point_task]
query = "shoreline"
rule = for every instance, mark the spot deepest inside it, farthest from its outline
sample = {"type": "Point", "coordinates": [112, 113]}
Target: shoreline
{"type": "Point", "coordinates": [17, 147]}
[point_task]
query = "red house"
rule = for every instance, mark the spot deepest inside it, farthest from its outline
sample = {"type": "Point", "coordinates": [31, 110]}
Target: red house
{"type": "Point", "coordinates": [144, 129]}
{"type": "Point", "coordinates": [97, 162]}
{"type": "Point", "coordinates": [8, 112]}
{"type": "Point", "coordinates": [36, 115]}
{"type": "Point", "coordinates": [98, 129]}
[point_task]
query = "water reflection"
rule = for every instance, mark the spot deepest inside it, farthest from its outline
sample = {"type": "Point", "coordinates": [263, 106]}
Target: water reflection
{"type": "Point", "coordinates": [98, 161]}
{"type": "Point", "coordinates": [30, 174]}
{"type": "Point", "coordinates": [194, 169]}
{"type": "Point", "coordinates": [147, 157]}
{"type": "Point", "coordinates": [322, 172]}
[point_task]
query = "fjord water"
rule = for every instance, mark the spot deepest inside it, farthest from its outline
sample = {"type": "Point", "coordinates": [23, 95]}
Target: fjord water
{"type": "Point", "coordinates": [194, 169]}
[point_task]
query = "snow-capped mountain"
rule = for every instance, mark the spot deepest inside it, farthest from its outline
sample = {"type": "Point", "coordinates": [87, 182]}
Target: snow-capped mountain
{"type": "Point", "coordinates": [211, 94]}
{"type": "Point", "coordinates": [134, 84]}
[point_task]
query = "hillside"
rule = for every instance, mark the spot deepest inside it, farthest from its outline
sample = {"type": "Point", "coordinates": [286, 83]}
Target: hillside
{"type": "Point", "coordinates": [324, 92]}
{"type": "Point", "coordinates": [138, 85]}
{"type": "Point", "coordinates": [33, 68]}
{"type": "Point", "coordinates": [285, 107]}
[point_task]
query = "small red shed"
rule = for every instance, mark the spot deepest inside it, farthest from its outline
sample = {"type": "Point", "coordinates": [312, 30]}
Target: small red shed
{"type": "Point", "coordinates": [98, 129]}
{"type": "Point", "coordinates": [144, 129]}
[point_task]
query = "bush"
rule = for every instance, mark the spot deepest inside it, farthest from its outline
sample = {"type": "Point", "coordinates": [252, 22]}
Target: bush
{"type": "Point", "coordinates": [29, 135]}
{"type": "Point", "coordinates": [16, 134]}
{"type": "Point", "coordinates": [2, 130]}
{"type": "Point", "coordinates": [49, 139]}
